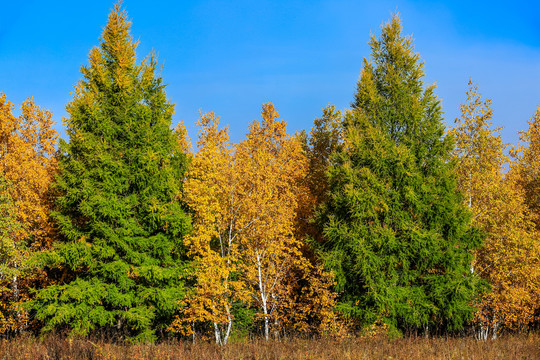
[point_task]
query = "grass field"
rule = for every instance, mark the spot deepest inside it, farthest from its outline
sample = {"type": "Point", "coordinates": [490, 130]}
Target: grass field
{"type": "Point", "coordinates": [509, 347]}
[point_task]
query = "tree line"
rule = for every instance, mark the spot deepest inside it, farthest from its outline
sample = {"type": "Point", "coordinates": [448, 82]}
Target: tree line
{"type": "Point", "coordinates": [378, 219]}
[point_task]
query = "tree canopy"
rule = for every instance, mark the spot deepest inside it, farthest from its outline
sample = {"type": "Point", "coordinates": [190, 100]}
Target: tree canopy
{"type": "Point", "coordinates": [119, 265]}
{"type": "Point", "coordinates": [399, 238]}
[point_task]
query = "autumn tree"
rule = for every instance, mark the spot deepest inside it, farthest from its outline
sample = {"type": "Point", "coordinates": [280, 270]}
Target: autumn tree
{"type": "Point", "coordinates": [8, 255]}
{"type": "Point", "coordinates": [236, 192]}
{"type": "Point", "coordinates": [324, 139]}
{"type": "Point", "coordinates": [211, 191]}
{"type": "Point", "coordinates": [398, 236]}
{"type": "Point", "coordinates": [526, 155]}
{"type": "Point", "coordinates": [270, 166]}
{"type": "Point", "coordinates": [319, 145]}
{"type": "Point", "coordinates": [508, 258]}
{"type": "Point", "coordinates": [524, 173]}
{"type": "Point", "coordinates": [119, 263]}
{"type": "Point", "coordinates": [479, 151]}
{"type": "Point", "coordinates": [309, 305]}
{"type": "Point", "coordinates": [28, 162]}
{"type": "Point", "coordinates": [308, 300]}
{"type": "Point", "coordinates": [27, 149]}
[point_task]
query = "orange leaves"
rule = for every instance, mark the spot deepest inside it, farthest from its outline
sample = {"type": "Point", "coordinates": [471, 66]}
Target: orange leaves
{"type": "Point", "coordinates": [271, 168]}
{"type": "Point", "coordinates": [210, 190]}
{"type": "Point", "coordinates": [244, 243]}
{"type": "Point", "coordinates": [27, 150]}
{"type": "Point", "coordinates": [28, 165]}
{"type": "Point", "coordinates": [527, 154]}
{"type": "Point", "coordinates": [509, 257]}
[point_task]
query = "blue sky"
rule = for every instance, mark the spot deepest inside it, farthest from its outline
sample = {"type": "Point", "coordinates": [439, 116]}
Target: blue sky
{"type": "Point", "coordinates": [232, 56]}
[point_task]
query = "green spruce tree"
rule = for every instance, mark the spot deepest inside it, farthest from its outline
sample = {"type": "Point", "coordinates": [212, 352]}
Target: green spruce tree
{"type": "Point", "coordinates": [399, 239]}
{"type": "Point", "coordinates": [119, 264]}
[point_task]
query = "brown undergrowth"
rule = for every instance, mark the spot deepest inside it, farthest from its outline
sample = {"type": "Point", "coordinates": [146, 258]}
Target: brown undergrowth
{"type": "Point", "coordinates": [56, 347]}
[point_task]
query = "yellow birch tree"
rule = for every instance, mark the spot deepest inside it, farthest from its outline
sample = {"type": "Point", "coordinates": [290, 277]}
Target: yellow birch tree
{"type": "Point", "coordinates": [246, 243]}
{"type": "Point", "coordinates": [27, 151]}
{"type": "Point", "coordinates": [211, 192]}
{"type": "Point", "coordinates": [271, 167]}
{"type": "Point", "coordinates": [509, 257]}
{"type": "Point", "coordinates": [526, 155]}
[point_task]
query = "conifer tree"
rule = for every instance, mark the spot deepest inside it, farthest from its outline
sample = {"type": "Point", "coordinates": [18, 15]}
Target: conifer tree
{"type": "Point", "coordinates": [119, 264]}
{"type": "Point", "coordinates": [323, 140]}
{"type": "Point", "coordinates": [399, 239]}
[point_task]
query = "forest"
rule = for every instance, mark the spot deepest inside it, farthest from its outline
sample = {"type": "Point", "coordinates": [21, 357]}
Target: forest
{"type": "Point", "coordinates": [378, 221]}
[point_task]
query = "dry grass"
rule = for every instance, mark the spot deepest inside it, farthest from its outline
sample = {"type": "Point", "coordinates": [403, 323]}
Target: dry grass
{"type": "Point", "coordinates": [511, 347]}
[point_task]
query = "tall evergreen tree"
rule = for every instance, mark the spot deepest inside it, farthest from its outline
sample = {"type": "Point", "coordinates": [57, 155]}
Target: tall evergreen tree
{"type": "Point", "coordinates": [398, 235]}
{"type": "Point", "coordinates": [119, 265]}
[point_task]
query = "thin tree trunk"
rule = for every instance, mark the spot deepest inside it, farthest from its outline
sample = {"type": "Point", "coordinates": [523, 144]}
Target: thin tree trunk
{"type": "Point", "coordinates": [495, 328]}
{"type": "Point", "coordinates": [227, 333]}
{"type": "Point", "coordinates": [222, 336]}
{"type": "Point", "coordinates": [217, 332]}
{"type": "Point", "coordinates": [229, 327]}
{"type": "Point", "coordinates": [265, 325]}
{"type": "Point", "coordinates": [263, 297]}
{"type": "Point", "coordinates": [483, 331]}
{"type": "Point", "coordinates": [16, 293]}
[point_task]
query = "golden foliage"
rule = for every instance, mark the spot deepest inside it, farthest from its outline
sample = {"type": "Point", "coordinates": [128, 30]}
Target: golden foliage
{"type": "Point", "coordinates": [509, 258]}
{"type": "Point", "coordinates": [211, 192]}
{"type": "Point", "coordinates": [245, 198]}
{"type": "Point", "coordinates": [273, 167]}
{"type": "Point", "coordinates": [526, 155]}
{"type": "Point", "coordinates": [308, 302]}
{"type": "Point", "coordinates": [182, 138]}
{"type": "Point", "coordinates": [28, 165]}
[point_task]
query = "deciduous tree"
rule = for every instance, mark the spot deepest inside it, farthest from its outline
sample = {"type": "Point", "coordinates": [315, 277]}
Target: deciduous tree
{"type": "Point", "coordinates": [323, 140]}
{"type": "Point", "coordinates": [27, 150]}
{"type": "Point", "coordinates": [527, 154]}
{"type": "Point", "coordinates": [211, 191]}
{"type": "Point", "coordinates": [509, 256]}
{"type": "Point", "coordinates": [245, 241]}
{"type": "Point", "coordinates": [271, 167]}
{"type": "Point", "coordinates": [310, 304]}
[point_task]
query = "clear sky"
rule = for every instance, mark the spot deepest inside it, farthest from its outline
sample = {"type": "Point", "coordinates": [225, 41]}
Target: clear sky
{"type": "Point", "coordinates": [232, 56]}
